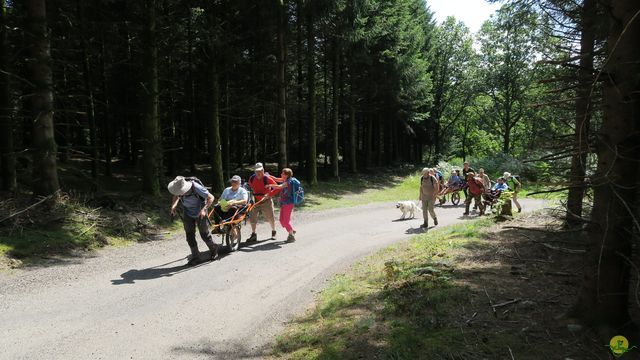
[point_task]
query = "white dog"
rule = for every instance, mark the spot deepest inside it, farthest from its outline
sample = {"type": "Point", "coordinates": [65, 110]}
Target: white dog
{"type": "Point", "coordinates": [407, 208]}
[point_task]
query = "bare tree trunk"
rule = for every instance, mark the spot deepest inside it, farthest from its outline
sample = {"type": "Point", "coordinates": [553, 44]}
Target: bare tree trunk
{"type": "Point", "coordinates": [282, 84]}
{"type": "Point", "coordinates": [226, 143]}
{"type": "Point", "coordinates": [39, 99]}
{"type": "Point", "coordinates": [353, 144]}
{"type": "Point", "coordinates": [7, 156]}
{"type": "Point", "coordinates": [335, 150]}
{"type": "Point", "coordinates": [312, 166]}
{"type": "Point", "coordinates": [88, 84]}
{"type": "Point", "coordinates": [604, 297]}
{"type": "Point", "coordinates": [368, 142]}
{"type": "Point", "coordinates": [152, 150]}
{"type": "Point", "coordinates": [215, 142]}
{"type": "Point", "coordinates": [106, 129]}
{"type": "Point", "coordinates": [583, 115]}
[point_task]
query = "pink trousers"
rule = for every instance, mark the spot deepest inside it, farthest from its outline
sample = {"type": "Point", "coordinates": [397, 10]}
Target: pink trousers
{"type": "Point", "coordinates": [285, 216]}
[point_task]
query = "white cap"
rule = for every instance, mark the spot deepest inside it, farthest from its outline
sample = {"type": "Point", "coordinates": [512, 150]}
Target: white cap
{"type": "Point", "coordinates": [258, 167]}
{"type": "Point", "coordinates": [236, 178]}
{"type": "Point", "coordinates": [179, 186]}
{"type": "Point", "coordinates": [506, 175]}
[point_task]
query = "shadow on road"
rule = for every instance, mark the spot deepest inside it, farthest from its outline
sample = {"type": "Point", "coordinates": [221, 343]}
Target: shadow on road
{"type": "Point", "coordinates": [221, 350]}
{"type": "Point", "coordinates": [261, 245]}
{"type": "Point", "coordinates": [158, 271]}
{"type": "Point", "coordinates": [400, 220]}
{"type": "Point", "coordinates": [418, 230]}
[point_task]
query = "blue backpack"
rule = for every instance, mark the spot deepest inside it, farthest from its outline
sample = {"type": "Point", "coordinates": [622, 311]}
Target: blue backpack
{"type": "Point", "coordinates": [298, 192]}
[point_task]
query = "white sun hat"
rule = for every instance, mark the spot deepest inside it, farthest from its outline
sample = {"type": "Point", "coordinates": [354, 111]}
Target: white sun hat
{"type": "Point", "coordinates": [179, 186]}
{"type": "Point", "coordinates": [506, 175]}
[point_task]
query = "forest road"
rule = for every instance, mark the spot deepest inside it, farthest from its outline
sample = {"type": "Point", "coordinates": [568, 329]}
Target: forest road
{"type": "Point", "coordinates": [140, 302]}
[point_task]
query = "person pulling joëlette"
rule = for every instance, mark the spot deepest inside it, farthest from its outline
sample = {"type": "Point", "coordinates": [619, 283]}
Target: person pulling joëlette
{"type": "Point", "coordinates": [286, 201]}
{"type": "Point", "coordinates": [476, 189]}
{"type": "Point", "coordinates": [258, 183]}
{"type": "Point", "coordinates": [195, 199]}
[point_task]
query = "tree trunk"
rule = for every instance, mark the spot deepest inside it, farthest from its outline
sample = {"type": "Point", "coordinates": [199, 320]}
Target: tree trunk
{"type": "Point", "coordinates": [335, 150]}
{"type": "Point", "coordinates": [90, 103]}
{"type": "Point", "coordinates": [226, 143]}
{"type": "Point", "coordinates": [604, 297]}
{"type": "Point", "coordinates": [215, 142]}
{"type": "Point", "coordinates": [368, 140]}
{"type": "Point", "coordinates": [152, 150]}
{"type": "Point", "coordinates": [106, 129]}
{"type": "Point", "coordinates": [583, 115]}
{"type": "Point", "coordinates": [299, 84]}
{"type": "Point", "coordinates": [353, 136]}
{"type": "Point", "coordinates": [312, 166]}
{"type": "Point", "coordinates": [7, 156]}
{"type": "Point", "coordinates": [282, 85]}
{"type": "Point", "coordinates": [39, 99]}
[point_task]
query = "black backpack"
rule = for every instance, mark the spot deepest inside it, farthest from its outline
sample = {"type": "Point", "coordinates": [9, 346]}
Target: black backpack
{"type": "Point", "coordinates": [196, 180]}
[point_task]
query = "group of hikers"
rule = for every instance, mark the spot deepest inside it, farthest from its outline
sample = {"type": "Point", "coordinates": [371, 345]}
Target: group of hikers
{"type": "Point", "coordinates": [474, 185]}
{"type": "Point", "coordinates": [195, 200]}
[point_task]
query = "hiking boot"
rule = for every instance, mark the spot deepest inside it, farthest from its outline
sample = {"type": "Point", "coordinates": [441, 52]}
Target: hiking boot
{"type": "Point", "coordinates": [425, 225]}
{"type": "Point", "coordinates": [252, 238]}
{"type": "Point", "coordinates": [465, 213]}
{"type": "Point", "coordinates": [273, 234]}
{"type": "Point", "coordinates": [194, 260]}
{"type": "Point", "coordinates": [290, 238]}
{"type": "Point", "coordinates": [435, 222]}
{"type": "Point", "coordinates": [214, 252]}
{"type": "Point", "coordinates": [519, 210]}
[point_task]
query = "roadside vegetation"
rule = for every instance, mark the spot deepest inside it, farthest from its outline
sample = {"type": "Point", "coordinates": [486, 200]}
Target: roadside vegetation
{"type": "Point", "coordinates": [471, 291]}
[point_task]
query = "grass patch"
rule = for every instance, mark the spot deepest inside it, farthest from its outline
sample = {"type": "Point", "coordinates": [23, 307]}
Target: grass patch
{"type": "Point", "coordinates": [391, 305]}
{"type": "Point", "coordinates": [77, 224]}
{"type": "Point", "coordinates": [361, 190]}
{"type": "Point", "coordinates": [536, 187]}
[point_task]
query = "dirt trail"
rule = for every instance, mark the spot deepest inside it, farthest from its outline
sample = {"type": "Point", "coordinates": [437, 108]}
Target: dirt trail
{"type": "Point", "coordinates": [140, 302]}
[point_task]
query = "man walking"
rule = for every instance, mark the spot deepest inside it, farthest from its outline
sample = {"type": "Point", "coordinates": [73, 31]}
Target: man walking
{"type": "Point", "coordinates": [195, 200]}
{"type": "Point", "coordinates": [429, 189]}
{"type": "Point", "coordinates": [466, 169]}
{"type": "Point", "coordinates": [258, 182]}
{"type": "Point", "coordinates": [476, 189]}
{"type": "Point", "coordinates": [515, 186]}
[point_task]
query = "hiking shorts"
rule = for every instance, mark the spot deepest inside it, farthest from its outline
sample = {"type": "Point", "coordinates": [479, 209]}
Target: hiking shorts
{"type": "Point", "coordinates": [266, 208]}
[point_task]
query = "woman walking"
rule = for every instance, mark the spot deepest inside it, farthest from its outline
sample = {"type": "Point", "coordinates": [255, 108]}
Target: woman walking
{"type": "Point", "coordinates": [286, 201]}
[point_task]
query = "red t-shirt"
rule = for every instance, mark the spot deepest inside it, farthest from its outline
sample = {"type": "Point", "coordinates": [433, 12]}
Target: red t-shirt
{"type": "Point", "coordinates": [258, 188]}
{"type": "Point", "coordinates": [476, 187]}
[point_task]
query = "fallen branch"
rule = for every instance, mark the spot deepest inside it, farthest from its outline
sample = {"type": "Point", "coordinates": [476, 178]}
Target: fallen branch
{"type": "Point", "coordinates": [569, 251]}
{"type": "Point", "coordinates": [558, 273]}
{"type": "Point", "coordinates": [30, 206]}
{"type": "Point", "coordinates": [490, 302]}
{"type": "Point", "coordinates": [505, 303]}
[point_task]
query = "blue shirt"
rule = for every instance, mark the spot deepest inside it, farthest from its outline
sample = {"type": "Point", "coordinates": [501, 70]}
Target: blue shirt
{"type": "Point", "coordinates": [240, 194]}
{"type": "Point", "coordinates": [501, 187]}
{"type": "Point", "coordinates": [193, 200]}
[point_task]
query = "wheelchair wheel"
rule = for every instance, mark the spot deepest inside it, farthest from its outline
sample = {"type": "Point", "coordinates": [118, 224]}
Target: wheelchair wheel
{"type": "Point", "coordinates": [455, 198]}
{"type": "Point", "coordinates": [232, 238]}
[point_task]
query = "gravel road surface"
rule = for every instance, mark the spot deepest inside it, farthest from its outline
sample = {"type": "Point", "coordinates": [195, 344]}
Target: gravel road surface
{"type": "Point", "coordinates": [141, 302]}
